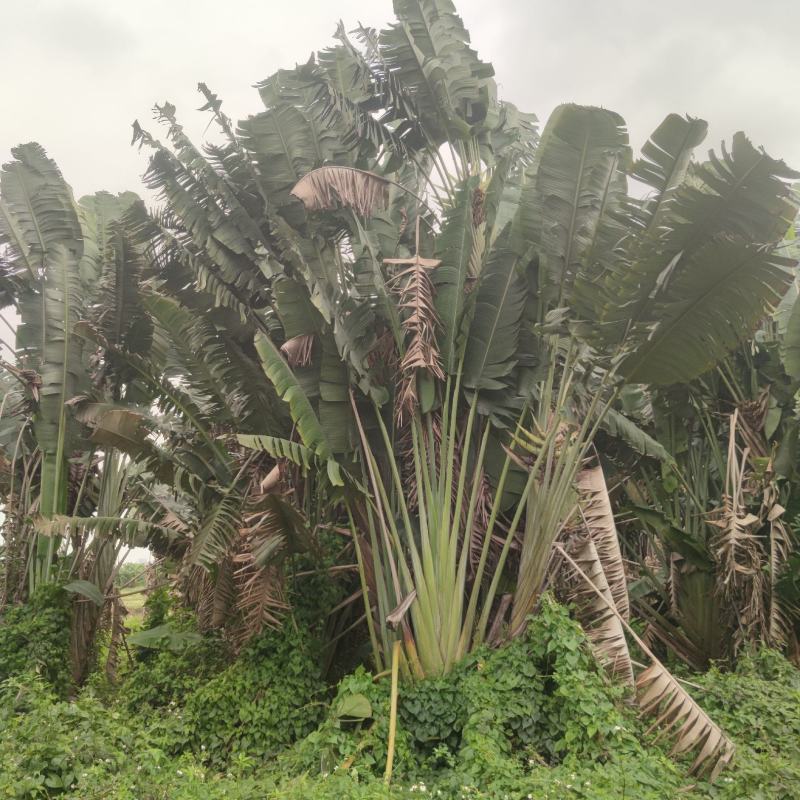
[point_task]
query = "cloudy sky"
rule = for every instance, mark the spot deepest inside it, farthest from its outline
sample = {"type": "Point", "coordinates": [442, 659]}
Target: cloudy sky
{"type": "Point", "coordinates": [74, 74]}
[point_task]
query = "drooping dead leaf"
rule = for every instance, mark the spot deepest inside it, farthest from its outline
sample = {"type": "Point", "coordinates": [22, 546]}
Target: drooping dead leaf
{"type": "Point", "coordinates": [779, 625]}
{"type": "Point", "coordinates": [603, 627]}
{"type": "Point", "coordinates": [326, 188]}
{"type": "Point", "coordinates": [420, 322]}
{"type": "Point", "coordinates": [737, 549]}
{"type": "Point", "coordinates": [298, 350]}
{"type": "Point", "coordinates": [680, 719]}
{"type": "Point", "coordinates": [596, 511]}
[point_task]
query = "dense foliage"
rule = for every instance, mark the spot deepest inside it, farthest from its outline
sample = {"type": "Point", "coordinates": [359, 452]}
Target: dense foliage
{"type": "Point", "coordinates": [34, 638]}
{"type": "Point", "coordinates": [468, 469]}
{"type": "Point", "coordinates": [537, 718]}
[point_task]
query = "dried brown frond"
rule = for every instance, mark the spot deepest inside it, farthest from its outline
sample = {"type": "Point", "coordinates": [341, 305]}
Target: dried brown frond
{"type": "Point", "coordinates": [420, 323]}
{"type": "Point", "coordinates": [595, 608]}
{"type": "Point", "coordinates": [737, 549]}
{"type": "Point", "coordinates": [677, 716]}
{"type": "Point", "coordinates": [257, 565]}
{"type": "Point", "coordinates": [260, 599]}
{"type": "Point", "coordinates": [681, 720]}
{"type": "Point", "coordinates": [751, 418]}
{"type": "Point", "coordinates": [384, 353]}
{"type": "Point", "coordinates": [198, 591]}
{"type": "Point", "coordinates": [223, 598]}
{"type": "Point", "coordinates": [596, 511]}
{"type": "Point", "coordinates": [478, 206]}
{"type": "Point", "coordinates": [298, 350]}
{"type": "Point", "coordinates": [780, 627]}
{"type": "Point", "coordinates": [329, 187]}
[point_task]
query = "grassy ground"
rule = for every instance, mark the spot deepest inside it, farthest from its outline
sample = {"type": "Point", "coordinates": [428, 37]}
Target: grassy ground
{"type": "Point", "coordinates": [135, 603]}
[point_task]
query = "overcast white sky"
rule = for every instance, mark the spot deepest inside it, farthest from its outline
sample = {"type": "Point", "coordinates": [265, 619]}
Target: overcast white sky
{"type": "Point", "coordinates": [75, 73]}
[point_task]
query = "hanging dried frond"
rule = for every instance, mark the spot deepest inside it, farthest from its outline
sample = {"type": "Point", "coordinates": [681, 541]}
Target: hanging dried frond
{"type": "Point", "coordinates": [682, 720]}
{"type": "Point", "coordinates": [595, 608]}
{"type": "Point", "coordinates": [271, 530]}
{"type": "Point", "coordinates": [678, 716]}
{"type": "Point", "coordinates": [271, 480]}
{"type": "Point", "coordinates": [478, 206]}
{"type": "Point", "coordinates": [599, 518]}
{"type": "Point", "coordinates": [327, 188]}
{"type": "Point", "coordinates": [298, 350]}
{"type": "Point", "coordinates": [420, 323]}
{"type": "Point", "coordinates": [751, 417]}
{"type": "Point", "coordinates": [259, 598]}
{"type": "Point", "coordinates": [736, 548]}
{"type": "Point", "coordinates": [198, 592]}
{"type": "Point", "coordinates": [779, 623]}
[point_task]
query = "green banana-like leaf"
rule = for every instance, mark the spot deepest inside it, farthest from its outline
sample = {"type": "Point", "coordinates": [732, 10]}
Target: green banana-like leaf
{"type": "Point", "coordinates": [790, 342]}
{"type": "Point", "coordinates": [210, 244]}
{"type": "Point", "coordinates": [665, 161]}
{"type": "Point", "coordinates": [428, 48]}
{"type": "Point", "coordinates": [710, 303]}
{"type": "Point", "coordinates": [40, 227]}
{"type": "Point", "coordinates": [112, 272]}
{"type": "Point", "coordinates": [278, 448]}
{"type": "Point", "coordinates": [577, 178]}
{"type": "Point", "coordinates": [212, 367]}
{"type": "Point", "coordinates": [676, 539]}
{"type": "Point", "coordinates": [335, 414]}
{"type": "Point", "coordinates": [38, 209]}
{"type": "Point", "coordinates": [86, 589]}
{"type": "Point", "coordinates": [132, 530]}
{"type": "Point", "coordinates": [170, 397]}
{"type": "Point", "coordinates": [491, 347]}
{"type": "Point", "coordinates": [456, 248]}
{"type": "Point", "coordinates": [165, 637]}
{"type": "Point", "coordinates": [608, 295]}
{"type": "Point", "coordinates": [622, 427]}
{"type": "Point", "coordinates": [681, 294]}
{"type": "Point", "coordinates": [289, 389]}
{"type": "Point", "coordinates": [99, 215]}
{"type": "Point", "coordinates": [284, 148]}
{"type": "Point", "coordinates": [297, 313]}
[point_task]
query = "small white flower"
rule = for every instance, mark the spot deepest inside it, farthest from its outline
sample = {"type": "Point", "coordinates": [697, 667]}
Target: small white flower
{"type": "Point", "coordinates": [180, 773]}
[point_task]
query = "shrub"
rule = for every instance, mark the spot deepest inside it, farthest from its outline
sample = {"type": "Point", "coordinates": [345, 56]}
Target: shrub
{"type": "Point", "coordinates": [46, 744]}
{"type": "Point", "coordinates": [167, 677]}
{"type": "Point", "coordinates": [269, 697]}
{"type": "Point", "coordinates": [35, 637]}
{"type": "Point", "coordinates": [758, 705]}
